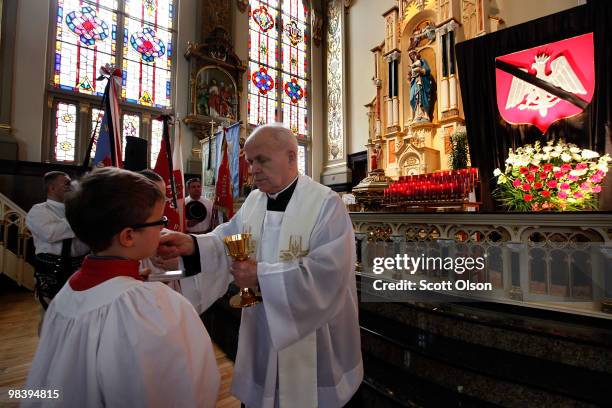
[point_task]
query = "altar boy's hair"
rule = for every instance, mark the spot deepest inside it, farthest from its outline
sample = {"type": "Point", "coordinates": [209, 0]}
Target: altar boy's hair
{"type": "Point", "coordinates": [108, 200]}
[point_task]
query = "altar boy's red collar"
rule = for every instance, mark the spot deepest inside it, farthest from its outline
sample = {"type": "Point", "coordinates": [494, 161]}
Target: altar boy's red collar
{"type": "Point", "coordinates": [96, 270]}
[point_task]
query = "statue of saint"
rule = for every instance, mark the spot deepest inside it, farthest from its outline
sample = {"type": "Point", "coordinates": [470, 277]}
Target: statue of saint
{"type": "Point", "coordinates": [420, 88]}
{"type": "Point", "coordinates": [375, 157]}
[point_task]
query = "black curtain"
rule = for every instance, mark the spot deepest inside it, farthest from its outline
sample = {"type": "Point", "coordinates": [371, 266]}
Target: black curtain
{"type": "Point", "coordinates": [489, 135]}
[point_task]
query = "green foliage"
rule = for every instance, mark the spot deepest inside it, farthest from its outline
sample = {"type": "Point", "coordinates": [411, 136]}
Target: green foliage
{"type": "Point", "coordinates": [458, 156]}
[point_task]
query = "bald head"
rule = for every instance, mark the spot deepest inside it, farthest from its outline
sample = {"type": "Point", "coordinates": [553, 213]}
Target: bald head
{"type": "Point", "coordinates": [271, 150]}
{"type": "Point", "coordinates": [276, 136]}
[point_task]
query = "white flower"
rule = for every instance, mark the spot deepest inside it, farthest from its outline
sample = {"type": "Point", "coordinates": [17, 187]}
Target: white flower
{"type": "Point", "coordinates": [555, 154]}
{"type": "Point", "coordinates": [547, 149]}
{"type": "Point", "coordinates": [589, 154]}
{"type": "Point", "coordinates": [576, 157]}
{"type": "Point", "coordinates": [566, 157]}
{"type": "Point", "coordinates": [574, 150]}
{"type": "Point", "coordinates": [574, 173]}
{"type": "Point", "coordinates": [497, 172]}
{"type": "Point", "coordinates": [558, 148]}
{"type": "Point", "coordinates": [556, 168]}
{"type": "Point", "coordinates": [603, 167]}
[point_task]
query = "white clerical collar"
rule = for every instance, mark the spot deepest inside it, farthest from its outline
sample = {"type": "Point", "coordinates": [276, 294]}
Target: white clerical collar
{"type": "Point", "coordinates": [273, 196]}
{"type": "Point", "coordinates": [55, 203]}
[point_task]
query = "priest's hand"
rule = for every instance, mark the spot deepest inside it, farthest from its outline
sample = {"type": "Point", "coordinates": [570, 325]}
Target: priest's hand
{"type": "Point", "coordinates": [245, 273]}
{"type": "Point", "coordinates": [173, 244]}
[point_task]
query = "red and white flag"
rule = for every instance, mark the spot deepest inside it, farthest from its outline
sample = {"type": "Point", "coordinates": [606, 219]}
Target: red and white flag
{"type": "Point", "coordinates": [224, 201]}
{"type": "Point", "coordinates": [169, 166]}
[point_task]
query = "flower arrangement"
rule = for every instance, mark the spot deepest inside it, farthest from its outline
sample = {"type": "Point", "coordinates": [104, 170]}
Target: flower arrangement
{"type": "Point", "coordinates": [556, 177]}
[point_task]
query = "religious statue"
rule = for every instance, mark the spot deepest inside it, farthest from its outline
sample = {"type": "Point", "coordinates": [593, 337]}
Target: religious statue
{"type": "Point", "coordinates": [376, 151]}
{"type": "Point", "coordinates": [421, 86]}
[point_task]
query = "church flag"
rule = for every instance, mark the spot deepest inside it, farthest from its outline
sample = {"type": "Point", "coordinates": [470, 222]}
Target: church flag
{"type": "Point", "coordinates": [223, 190]}
{"type": "Point", "coordinates": [108, 147]}
{"type": "Point", "coordinates": [544, 84]}
{"type": "Point", "coordinates": [169, 167]}
{"type": "Point", "coordinates": [232, 137]}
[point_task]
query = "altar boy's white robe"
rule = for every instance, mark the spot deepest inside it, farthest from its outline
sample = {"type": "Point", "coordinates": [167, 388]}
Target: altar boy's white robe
{"type": "Point", "coordinates": [310, 297]}
{"type": "Point", "coordinates": [124, 343]}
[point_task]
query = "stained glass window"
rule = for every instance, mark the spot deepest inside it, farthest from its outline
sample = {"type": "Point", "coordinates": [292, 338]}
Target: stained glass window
{"type": "Point", "coordinates": [131, 127]}
{"type": "Point", "coordinates": [65, 131]}
{"type": "Point", "coordinates": [157, 128]}
{"type": "Point", "coordinates": [147, 52]}
{"type": "Point", "coordinates": [134, 35]}
{"type": "Point", "coordinates": [278, 64]}
{"type": "Point", "coordinates": [86, 38]}
{"type": "Point", "coordinates": [302, 159]}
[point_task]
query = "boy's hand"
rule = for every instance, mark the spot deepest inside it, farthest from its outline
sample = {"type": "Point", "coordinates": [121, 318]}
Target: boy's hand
{"type": "Point", "coordinates": [174, 244]}
{"type": "Point", "coordinates": [245, 273]}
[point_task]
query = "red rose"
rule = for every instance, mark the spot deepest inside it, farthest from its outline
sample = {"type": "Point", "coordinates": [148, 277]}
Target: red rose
{"type": "Point", "coordinates": [530, 178]}
{"type": "Point", "coordinates": [524, 170]}
{"type": "Point", "coordinates": [581, 166]}
{"type": "Point", "coordinates": [543, 176]}
{"type": "Point", "coordinates": [559, 174]}
{"type": "Point", "coordinates": [551, 183]}
{"type": "Point", "coordinates": [548, 167]}
{"type": "Point", "coordinates": [533, 168]}
{"type": "Point", "coordinates": [545, 193]}
{"type": "Point", "coordinates": [566, 167]}
{"type": "Point", "coordinates": [526, 187]}
{"type": "Point", "coordinates": [537, 185]}
{"type": "Point", "coordinates": [527, 197]}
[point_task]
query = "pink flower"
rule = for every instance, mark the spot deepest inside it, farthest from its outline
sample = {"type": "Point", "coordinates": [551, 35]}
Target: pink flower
{"type": "Point", "coordinates": [595, 179]}
{"type": "Point", "coordinates": [578, 194]}
{"type": "Point", "coordinates": [572, 178]}
{"type": "Point", "coordinates": [585, 186]}
{"type": "Point", "coordinates": [597, 189]}
{"type": "Point", "coordinates": [562, 195]}
{"type": "Point", "coordinates": [526, 187]}
{"type": "Point", "coordinates": [581, 166]}
{"type": "Point", "coordinates": [516, 183]}
{"type": "Point", "coordinates": [564, 186]}
{"type": "Point", "coordinates": [600, 173]}
{"type": "Point", "coordinates": [566, 167]}
{"type": "Point", "coordinates": [551, 183]}
{"type": "Point", "coordinates": [546, 205]}
{"type": "Point", "coordinates": [527, 197]}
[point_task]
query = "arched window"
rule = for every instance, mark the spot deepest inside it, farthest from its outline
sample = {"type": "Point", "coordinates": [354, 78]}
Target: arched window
{"type": "Point", "coordinates": [279, 72]}
{"type": "Point", "coordinates": [134, 35]}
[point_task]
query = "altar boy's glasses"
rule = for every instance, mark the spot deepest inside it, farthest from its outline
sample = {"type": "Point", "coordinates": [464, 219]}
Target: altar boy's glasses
{"type": "Point", "coordinates": [163, 221]}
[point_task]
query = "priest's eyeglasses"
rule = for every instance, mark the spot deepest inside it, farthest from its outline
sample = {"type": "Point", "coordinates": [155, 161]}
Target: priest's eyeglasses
{"type": "Point", "coordinates": [163, 221]}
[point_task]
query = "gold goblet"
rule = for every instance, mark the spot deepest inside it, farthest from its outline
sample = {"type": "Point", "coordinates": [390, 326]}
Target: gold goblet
{"type": "Point", "coordinates": [239, 248]}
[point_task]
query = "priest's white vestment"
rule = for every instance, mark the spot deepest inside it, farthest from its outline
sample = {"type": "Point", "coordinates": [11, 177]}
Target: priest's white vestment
{"type": "Point", "coordinates": [124, 343]}
{"type": "Point", "coordinates": [309, 296]}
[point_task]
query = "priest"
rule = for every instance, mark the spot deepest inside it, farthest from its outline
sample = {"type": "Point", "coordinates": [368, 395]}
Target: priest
{"type": "Point", "coordinates": [300, 347]}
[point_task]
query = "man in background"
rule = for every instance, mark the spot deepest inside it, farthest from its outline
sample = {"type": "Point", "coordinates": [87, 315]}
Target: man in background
{"type": "Point", "coordinates": [58, 252]}
{"type": "Point", "coordinates": [194, 188]}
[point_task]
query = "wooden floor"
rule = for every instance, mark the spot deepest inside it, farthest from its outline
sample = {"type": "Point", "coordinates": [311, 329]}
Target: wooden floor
{"type": "Point", "coordinates": [19, 317]}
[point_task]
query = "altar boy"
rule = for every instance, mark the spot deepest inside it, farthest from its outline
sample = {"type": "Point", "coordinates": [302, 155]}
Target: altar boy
{"type": "Point", "coordinates": [110, 339]}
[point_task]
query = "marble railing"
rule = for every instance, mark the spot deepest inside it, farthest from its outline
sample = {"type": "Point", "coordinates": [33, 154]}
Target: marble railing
{"type": "Point", "coordinates": [555, 261]}
{"type": "Point", "coordinates": [15, 244]}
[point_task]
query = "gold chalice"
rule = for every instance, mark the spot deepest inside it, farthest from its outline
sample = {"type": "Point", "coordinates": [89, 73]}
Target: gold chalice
{"type": "Point", "coordinates": [239, 247]}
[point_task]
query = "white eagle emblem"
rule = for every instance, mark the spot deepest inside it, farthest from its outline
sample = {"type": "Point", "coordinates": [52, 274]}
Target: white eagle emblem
{"type": "Point", "coordinates": [528, 96]}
